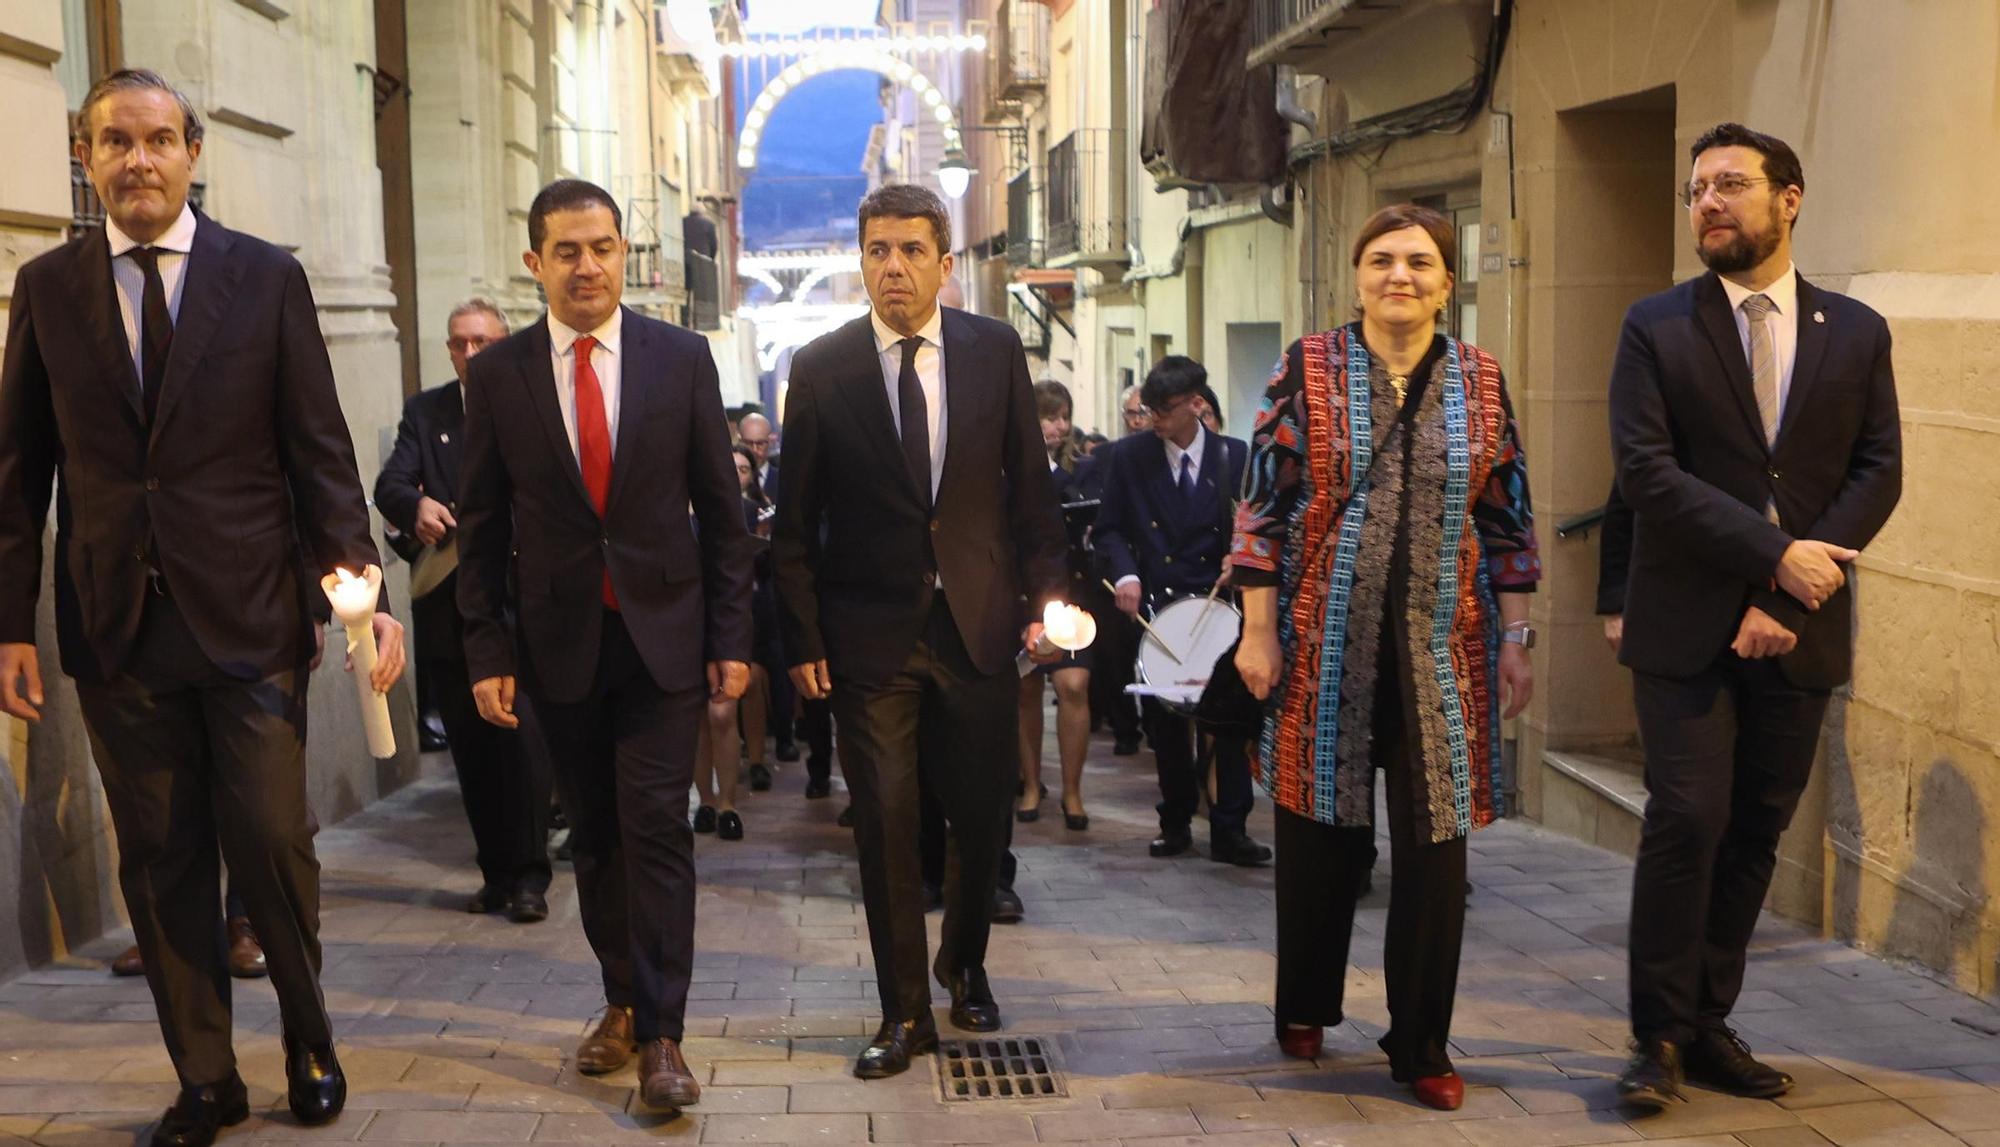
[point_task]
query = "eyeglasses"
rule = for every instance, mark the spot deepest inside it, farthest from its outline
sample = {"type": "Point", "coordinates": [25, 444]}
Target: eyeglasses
{"type": "Point", "coordinates": [1728, 188]}
{"type": "Point", "coordinates": [475, 344]}
{"type": "Point", "coordinates": [1169, 408]}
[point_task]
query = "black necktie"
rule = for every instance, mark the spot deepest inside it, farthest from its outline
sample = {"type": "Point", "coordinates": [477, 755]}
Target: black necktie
{"type": "Point", "coordinates": [156, 329]}
{"type": "Point", "coordinates": [916, 420]}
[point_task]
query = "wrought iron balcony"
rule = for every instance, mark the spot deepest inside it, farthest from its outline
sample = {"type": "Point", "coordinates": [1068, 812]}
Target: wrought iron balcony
{"type": "Point", "coordinates": [1024, 218]}
{"type": "Point", "coordinates": [1294, 31]}
{"type": "Point", "coordinates": [1086, 201]}
{"type": "Point", "coordinates": [1017, 56]}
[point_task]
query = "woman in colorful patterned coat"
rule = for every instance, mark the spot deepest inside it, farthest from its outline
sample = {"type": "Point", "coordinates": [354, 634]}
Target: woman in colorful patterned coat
{"type": "Point", "coordinates": [1385, 550]}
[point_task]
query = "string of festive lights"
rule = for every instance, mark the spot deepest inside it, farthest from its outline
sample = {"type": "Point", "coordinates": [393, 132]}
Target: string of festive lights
{"type": "Point", "coordinates": [794, 46]}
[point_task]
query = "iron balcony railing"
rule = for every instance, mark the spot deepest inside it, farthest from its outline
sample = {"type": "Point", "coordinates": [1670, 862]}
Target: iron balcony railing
{"type": "Point", "coordinates": [1024, 218]}
{"type": "Point", "coordinates": [1086, 201]}
{"type": "Point", "coordinates": [1017, 59]}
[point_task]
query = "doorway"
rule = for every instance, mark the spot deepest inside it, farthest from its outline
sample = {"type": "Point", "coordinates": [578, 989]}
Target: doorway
{"type": "Point", "coordinates": [1253, 350]}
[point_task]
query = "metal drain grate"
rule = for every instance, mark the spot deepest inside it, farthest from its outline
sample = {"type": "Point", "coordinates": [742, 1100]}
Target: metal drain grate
{"type": "Point", "coordinates": [1002, 1067]}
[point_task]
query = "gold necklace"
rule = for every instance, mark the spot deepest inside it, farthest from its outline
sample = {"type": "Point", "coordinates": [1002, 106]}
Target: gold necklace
{"type": "Point", "coordinates": [1401, 383]}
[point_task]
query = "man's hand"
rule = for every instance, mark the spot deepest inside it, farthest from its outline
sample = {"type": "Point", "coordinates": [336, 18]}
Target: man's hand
{"type": "Point", "coordinates": [1031, 640]}
{"type": "Point", "coordinates": [812, 680]}
{"type": "Point", "coordinates": [1128, 597]}
{"type": "Point", "coordinates": [1614, 630]}
{"type": "Point", "coordinates": [495, 698]}
{"type": "Point", "coordinates": [388, 653]}
{"type": "Point", "coordinates": [1807, 571]}
{"type": "Point", "coordinates": [1760, 635]}
{"type": "Point", "coordinates": [728, 680]}
{"type": "Point", "coordinates": [434, 520]}
{"type": "Point", "coordinates": [18, 664]}
{"type": "Point", "coordinates": [319, 647]}
{"type": "Point", "coordinates": [1517, 680]}
{"type": "Point", "coordinates": [1257, 657]}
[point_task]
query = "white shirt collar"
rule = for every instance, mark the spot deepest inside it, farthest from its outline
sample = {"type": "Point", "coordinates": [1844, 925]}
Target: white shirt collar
{"type": "Point", "coordinates": [561, 336]}
{"type": "Point", "coordinates": [178, 237]}
{"type": "Point", "coordinates": [1783, 292]}
{"type": "Point", "coordinates": [886, 337]}
{"type": "Point", "coordinates": [1195, 449]}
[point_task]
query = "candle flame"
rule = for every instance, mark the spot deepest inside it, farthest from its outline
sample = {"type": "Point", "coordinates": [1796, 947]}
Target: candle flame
{"type": "Point", "coordinates": [347, 578]}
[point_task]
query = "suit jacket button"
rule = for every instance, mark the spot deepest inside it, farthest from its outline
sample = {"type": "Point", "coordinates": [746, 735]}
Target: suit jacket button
{"type": "Point", "coordinates": [930, 578]}
{"type": "Point", "coordinates": [1775, 473]}
{"type": "Point", "coordinates": [1170, 559]}
{"type": "Point", "coordinates": [934, 525]}
{"type": "Point", "coordinates": [152, 484]}
{"type": "Point", "coordinates": [1154, 525]}
{"type": "Point", "coordinates": [604, 539]}
{"type": "Point", "coordinates": [138, 553]}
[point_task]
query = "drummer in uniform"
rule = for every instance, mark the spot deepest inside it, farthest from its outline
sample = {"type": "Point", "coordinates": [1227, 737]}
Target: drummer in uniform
{"type": "Point", "coordinates": [1162, 533]}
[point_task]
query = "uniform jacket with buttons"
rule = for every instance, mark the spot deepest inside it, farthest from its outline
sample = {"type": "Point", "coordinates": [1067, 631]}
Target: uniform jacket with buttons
{"type": "Point", "coordinates": [242, 491]}
{"type": "Point", "coordinates": [1147, 528]}
{"type": "Point", "coordinates": [1695, 470]}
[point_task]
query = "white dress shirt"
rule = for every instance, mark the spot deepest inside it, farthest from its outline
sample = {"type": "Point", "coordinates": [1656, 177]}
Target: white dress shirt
{"type": "Point", "coordinates": [173, 247]}
{"type": "Point", "coordinates": [1784, 295]}
{"type": "Point", "coordinates": [604, 359]}
{"type": "Point", "coordinates": [930, 374]}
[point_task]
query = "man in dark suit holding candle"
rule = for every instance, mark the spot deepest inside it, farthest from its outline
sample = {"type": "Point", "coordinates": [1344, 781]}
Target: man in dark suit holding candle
{"type": "Point", "coordinates": [173, 373]}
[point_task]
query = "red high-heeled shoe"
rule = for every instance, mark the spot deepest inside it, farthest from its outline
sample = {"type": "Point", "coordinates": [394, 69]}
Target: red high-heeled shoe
{"type": "Point", "coordinates": [1300, 1043]}
{"type": "Point", "coordinates": [1444, 1092]}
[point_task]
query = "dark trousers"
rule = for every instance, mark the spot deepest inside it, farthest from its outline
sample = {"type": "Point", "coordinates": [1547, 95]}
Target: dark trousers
{"type": "Point", "coordinates": [816, 726]}
{"type": "Point", "coordinates": [200, 768]}
{"type": "Point", "coordinates": [784, 699]}
{"type": "Point", "coordinates": [1728, 751]}
{"type": "Point", "coordinates": [624, 758]}
{"type": "Point", "coordinates": [505, 787]}
{"type": "Point", "coordinates": [1113, 659]}
{"type": "Point", "coordinates": [938, 716]}
{"type": "Point", "coordinates": [934, 844]}
{"type": "Point", "coordinates": [1183, 773]}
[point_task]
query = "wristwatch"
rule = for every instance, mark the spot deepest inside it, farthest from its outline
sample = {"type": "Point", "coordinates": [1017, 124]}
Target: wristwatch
{"type": "Point", "coordinates": [1521, 635]}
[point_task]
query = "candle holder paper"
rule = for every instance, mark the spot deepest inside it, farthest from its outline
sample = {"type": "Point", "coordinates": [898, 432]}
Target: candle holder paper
{"type": "Point", "coordinates": [353, 599]}
{"type": "Point", "coordinates": [1065, 627]}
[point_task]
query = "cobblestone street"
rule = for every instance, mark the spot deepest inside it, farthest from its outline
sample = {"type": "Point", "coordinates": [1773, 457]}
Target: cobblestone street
{"type": "Point", "coordinates": [1152, 977]}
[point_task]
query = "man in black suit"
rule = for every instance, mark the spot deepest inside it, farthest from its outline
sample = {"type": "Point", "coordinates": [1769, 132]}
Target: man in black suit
{"type": "Point", "coordinates": [588, 437]}
{"type": "Point", "coordinates": [502, 777]}
{"type": "Point", "coordinates": [1162, 533]}
{"type": "Point", "coordinates": [173, 374]}
{"type": "Point", "coordinates": [916, 534]}
{"type": "Point", "coordinates": [1754, 422]}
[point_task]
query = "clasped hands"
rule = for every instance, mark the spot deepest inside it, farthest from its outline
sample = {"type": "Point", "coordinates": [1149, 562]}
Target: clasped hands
{"type": "Point", "coordinates": [1810, 572]}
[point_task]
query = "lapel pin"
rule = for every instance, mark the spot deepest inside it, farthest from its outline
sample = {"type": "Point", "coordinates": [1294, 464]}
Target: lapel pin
{"type": "Point", "coordinates": [1819, 316]}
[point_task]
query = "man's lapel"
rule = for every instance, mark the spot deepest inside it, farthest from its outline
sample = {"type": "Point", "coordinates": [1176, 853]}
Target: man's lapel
{"type": "Point", "coordinates": [963, 389]}
{"type": "Point", "coordinates": [1811, 352]}
{"type": "Point", "coordinates": [635, 371]}
{"type": "Point", "coordinates": [104, 325]}
{"type": "Point", "coordinates": [1711, 306]}
{"type": "Point", "coordinates": [1149, 458]}
{"type": "Point", "coordinates": [538, 376]}
{"type": "Point", "coordinates": [868, 398]}
{"type": "Point", "coordinates": [208, 285]}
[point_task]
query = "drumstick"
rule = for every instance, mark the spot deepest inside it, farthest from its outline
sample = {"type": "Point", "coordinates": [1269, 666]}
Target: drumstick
{"type": "Point", "coordinates": [1142, 622]}
{"type": "Point", "coordinates": [1201, 617]}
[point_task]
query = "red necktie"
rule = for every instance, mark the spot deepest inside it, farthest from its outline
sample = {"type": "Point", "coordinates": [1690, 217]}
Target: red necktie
{"type": "Point", "coordinates": [593, 440]}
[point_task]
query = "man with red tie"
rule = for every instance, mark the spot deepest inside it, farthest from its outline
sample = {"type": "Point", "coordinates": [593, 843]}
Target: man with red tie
{"type": "Point", "coordinates": [588, 437]}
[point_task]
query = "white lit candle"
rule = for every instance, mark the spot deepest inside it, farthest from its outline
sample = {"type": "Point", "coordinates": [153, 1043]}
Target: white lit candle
{"type": "Point", "coordinates": [1064, 627]}
{"type": "Point", "coordinates": [353, 601]}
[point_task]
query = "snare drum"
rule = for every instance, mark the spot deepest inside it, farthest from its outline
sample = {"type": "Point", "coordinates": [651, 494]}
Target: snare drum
{"type": "Point", "coordinates": [1189, 635]}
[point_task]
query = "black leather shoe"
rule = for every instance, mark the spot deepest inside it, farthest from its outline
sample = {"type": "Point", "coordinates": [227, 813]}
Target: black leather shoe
{"type": "Point", "coordinates": [846, 817]}
{"type": "Point", "coordinates": [528, 907]}
{"type": "Point", "coordinates": [199, 1113]}
{"type": "Point", "coordinates": [817, 788]}
{"type": "Point", "coordinates": [889, 1054]}
{"type": "Point", "coordinates": [1125, 747]}
{"type": "Point", "coordinates": [1719, 1058]}
{"type": "Point", "coordinates": [314, 1084]}
{"type": "Point", "coordinates": [788, 752]}
{"type": "Point", "coordinates": [1171, 843]}
{"type": "Point", "coordinates": [973, 1008]}
{"type": "Point", "coordinates": [1007, 907]}
{"type": "Point", "coordinates": [1653, 1077]}
{"type": "Point", "coordinates": [760, 778]}
{"type": "Point", "coordinates": [487, 899]}
{"type": "Point", "coordinates": [704, 818]}
{"type": "Point", "coordinates": [728, 825]}
{"type": "Point", "coordinates": [1238, 849]}
{"type": "Point", "coordinates": [430, 734]}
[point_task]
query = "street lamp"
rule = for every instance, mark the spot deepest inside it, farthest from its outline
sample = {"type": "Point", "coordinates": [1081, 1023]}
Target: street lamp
{"type": "Point", "coordinates": [954, 175]}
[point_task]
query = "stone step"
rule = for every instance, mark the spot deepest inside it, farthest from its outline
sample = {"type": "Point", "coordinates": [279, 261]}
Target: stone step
{"type": "Point", "coordinates": [1598, 797]}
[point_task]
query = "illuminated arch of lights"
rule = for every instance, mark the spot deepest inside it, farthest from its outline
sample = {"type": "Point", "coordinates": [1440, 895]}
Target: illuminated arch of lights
{"type": "Point", "coordinates": [836, 56]}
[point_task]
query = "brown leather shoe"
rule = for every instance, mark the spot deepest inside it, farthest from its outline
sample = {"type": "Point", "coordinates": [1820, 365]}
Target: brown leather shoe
{"type": "Point", "coordinates": [664, 1078]}
{"type": "Point", "coordinates": [129, 963]}
{"type": "Point", "coordinates": [246, 955]}
{"type": "Point", "coordinates": [607, 1047]}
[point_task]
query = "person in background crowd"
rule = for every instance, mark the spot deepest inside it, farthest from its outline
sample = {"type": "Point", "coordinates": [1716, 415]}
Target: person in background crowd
{"type": "Point", "coordinates": [1758, 443]}
{"type": "Point", "coordinates": [1132, 410]}
{"type": "Point", "coordinates": [754, 433]}
{"type": "Point", "coordinates": [726, 739]}
{"type": "Point", "coordinates": [1362, 545]}
{"type": "Point", "coordinates": [1162, 533]}
{"type": "Point", "coordinates": [503, 776]}
{"type": "Point", "coordinates": [1071, 673]}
